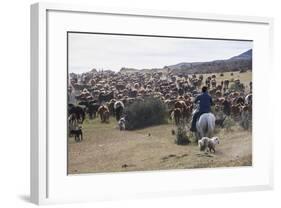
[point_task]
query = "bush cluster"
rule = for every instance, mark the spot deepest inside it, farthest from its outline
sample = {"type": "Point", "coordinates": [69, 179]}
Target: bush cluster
{"type": "Point", "coordinates": [181, 136]}
{"type": "Point", "coordinates": [140, 114]}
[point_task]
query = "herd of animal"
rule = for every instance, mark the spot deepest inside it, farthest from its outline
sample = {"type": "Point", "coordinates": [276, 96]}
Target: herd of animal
{"type": "Point", "coordinates": [105, 94]}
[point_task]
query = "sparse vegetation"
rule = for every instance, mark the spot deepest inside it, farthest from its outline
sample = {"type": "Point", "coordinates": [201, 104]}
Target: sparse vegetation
{"type": "Point", "coordinates": [229, 123]}
{"type": "Point", "coordinates": [246, 121]}
{"type": "Point", "coordinates": [181, 136]}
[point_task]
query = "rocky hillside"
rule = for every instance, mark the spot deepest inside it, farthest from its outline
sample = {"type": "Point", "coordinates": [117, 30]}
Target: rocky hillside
{"type": "Point", "coordinates": [241, 62]}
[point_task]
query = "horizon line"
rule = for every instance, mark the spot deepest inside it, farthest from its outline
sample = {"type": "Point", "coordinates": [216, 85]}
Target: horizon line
{"type": "Point", "coordinates": [137, 69]}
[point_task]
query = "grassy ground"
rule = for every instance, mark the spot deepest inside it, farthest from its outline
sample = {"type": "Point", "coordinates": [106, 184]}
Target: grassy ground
{"type": "Point", "coordinates": [245, 77]}
{"type": "Point", "coordinates": [107, 149]}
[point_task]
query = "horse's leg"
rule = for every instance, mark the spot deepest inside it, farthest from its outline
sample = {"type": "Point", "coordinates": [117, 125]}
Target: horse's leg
{"type": "Point", "coordinates": [199, 130]}
{"type": "Point", "coordinates": [197, 136]}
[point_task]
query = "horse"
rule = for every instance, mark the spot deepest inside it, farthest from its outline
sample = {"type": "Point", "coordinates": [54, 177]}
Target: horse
{"type": "Point", "coordinates": [205, 125]}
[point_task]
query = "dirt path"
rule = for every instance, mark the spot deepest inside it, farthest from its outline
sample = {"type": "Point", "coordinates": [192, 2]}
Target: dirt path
{"type": "Point", "coordinates": [106, 149]}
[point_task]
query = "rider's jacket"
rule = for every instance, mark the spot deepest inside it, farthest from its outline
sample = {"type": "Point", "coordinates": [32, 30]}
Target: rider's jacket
{"type": "Point", "coordinates": [205, 102]}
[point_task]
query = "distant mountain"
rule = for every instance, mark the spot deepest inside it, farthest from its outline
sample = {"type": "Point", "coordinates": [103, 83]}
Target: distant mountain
{"type": "Point", "coordinates": [241, 62]}
{"type": "Point", "coordinates": [236, 63]}
{"type": "Point", "coordinates": [130, 70]}
{"type": "Point", "coordinates": [124, 69]}
{"type": "Point", "coordinates": [246, 55]}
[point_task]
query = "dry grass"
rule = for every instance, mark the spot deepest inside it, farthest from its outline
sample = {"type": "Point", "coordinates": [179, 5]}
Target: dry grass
{"type": "Point", "coordinates": [245, 77]}
{"type": "Point", "coordinates": [106, 149]}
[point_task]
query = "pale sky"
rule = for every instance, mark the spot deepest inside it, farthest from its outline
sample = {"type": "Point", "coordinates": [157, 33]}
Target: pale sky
{"type": "Point", "coordinates": [88, 51]}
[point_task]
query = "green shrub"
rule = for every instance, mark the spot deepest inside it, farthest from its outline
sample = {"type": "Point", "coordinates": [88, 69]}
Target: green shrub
{"type": "Point", "coordinates": [181, 136]}
{"type": "Point", "coordinates": [236, 87]}
{"type": "Point", "coordinates": [246, 120]}
{"type": "Point", "coordinates": [229, 123]}
{"type": "Point", "coordinates": [145, 113]}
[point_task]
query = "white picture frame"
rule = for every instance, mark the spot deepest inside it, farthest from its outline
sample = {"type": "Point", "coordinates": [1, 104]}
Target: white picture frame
{"type": "Point", "coordinates": [49, 181]}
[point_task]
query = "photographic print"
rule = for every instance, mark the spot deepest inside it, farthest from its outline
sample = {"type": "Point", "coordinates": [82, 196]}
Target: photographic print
{"type": "Point", "coordinates": [143, 103]}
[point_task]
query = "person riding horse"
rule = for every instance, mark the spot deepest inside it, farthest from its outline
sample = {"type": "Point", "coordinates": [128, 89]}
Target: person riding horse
{"type": "Point", "coordinates": [205, 102]}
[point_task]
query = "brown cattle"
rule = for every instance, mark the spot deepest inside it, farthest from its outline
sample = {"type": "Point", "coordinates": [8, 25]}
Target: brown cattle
{"type": "Point", "coordinates": [180, 104]}
{"type": "Point", "coordinates": [226, 83]}
{"type": "Point", "coordinates": [177, 114]}
{"type": "Point", "coordinates": [218, 93]}
{"type": "Point", "coordinates": [236, 110]}
{"type": "Point", "coordinates": [103, 111]}
{"type": "Point", "coordinates": [213, 83]}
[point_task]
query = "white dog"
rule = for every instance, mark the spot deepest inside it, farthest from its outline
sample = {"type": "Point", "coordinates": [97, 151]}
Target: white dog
{"type": "Point", "coordinates": [203, 143]}
{"type": "Point", "coordinates": [212, 144]}
{"type": "Point", "coordinates": [208, 144]}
